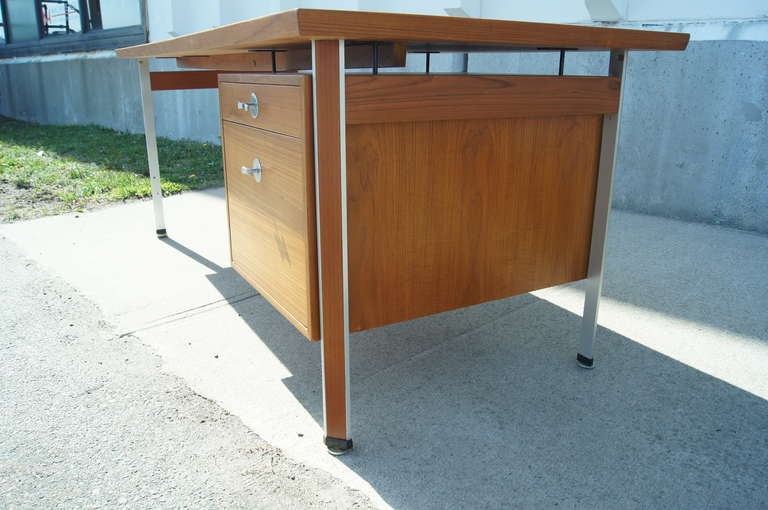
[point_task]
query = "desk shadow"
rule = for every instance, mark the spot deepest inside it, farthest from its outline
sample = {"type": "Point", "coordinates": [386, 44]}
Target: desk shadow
{"type": "Point", "coordinates": [485, 408]}
{"type": "Point", "coordinates": [701, 273]}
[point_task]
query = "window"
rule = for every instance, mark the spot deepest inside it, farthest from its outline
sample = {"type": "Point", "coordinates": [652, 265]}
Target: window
{"type": "Point", "coordinates": [22, 20]}
{"type": "Point", "coordinates": [2, 26]}
{"type": "Point", "coordinates": [117, 13]}
{"type": "Point", "coordinates": [37, 27]}
{"type": "Point", "coordinates": [59, 17]}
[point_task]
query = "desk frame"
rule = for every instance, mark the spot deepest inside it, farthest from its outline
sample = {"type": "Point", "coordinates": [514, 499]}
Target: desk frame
{"type": "Point", "coordinates": [330, 41]}
{"type": "Point", "coordinates": [328, 64]}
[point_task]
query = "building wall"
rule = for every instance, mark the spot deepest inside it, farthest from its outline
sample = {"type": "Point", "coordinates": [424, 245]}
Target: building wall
{"type": "Point", "coordinates": [693, 142]}
{"type": "Point", "coordinates": [100, 89]}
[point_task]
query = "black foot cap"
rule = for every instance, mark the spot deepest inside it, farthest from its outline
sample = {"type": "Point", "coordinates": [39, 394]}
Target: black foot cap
{"type": "Point", "coordinates": [338, 446]}
{"type": "Point", "coordinates": [585, 362]}
{"type": "Point", "coordinates": [161, 233]}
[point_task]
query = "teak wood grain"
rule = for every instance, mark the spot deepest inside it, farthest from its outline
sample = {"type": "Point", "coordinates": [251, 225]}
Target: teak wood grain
{"type": "Point", "coordinates": [297, 28]}
{"type": "Point", "coordinates": [272, 222]}
{"type": "Point", "coordinates": [398, 98]}
{"type": "Point", "coordinates": [390, 55]}
{"type": "Point", "coordinates": [329, 199]}
{"type": "Point", "coordinates": [447, 214]}
{"type": "Point", "coordinates": [292, 79]}
{"type": "Point", "coordinates": [278, 111]}
{"type": "Point", "coordinates": [183, 80]}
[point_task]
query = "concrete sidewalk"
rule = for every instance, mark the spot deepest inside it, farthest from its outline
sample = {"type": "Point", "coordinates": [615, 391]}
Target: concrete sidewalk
{"type": "Point", "coordinates": [482, 407]}
{"type": "Point", "coordinates": [90, 420]}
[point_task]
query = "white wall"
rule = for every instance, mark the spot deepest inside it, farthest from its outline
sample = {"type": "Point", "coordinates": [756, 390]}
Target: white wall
{"type": "Point", "coordinates": [545, 11]}
{"type": "Point", "coordinates": [168, 18]}
{"type": "Point", "coordinates": [649, 10]}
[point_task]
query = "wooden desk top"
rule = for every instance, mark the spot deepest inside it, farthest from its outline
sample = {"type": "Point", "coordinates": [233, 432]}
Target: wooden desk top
{"type": "Point", "coordinates": [297, 28]}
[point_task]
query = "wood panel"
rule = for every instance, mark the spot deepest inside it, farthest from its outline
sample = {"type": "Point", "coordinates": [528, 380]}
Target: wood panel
{"type": "Point", "coordinates": [398, 98]}
{"type": "Point", "coordinates": [252, 61]}
{"type": "Point", "coordinates": [183, 80]}
{"type": "Point", "coordinates": [271, 222]}
{"type": "Point", "coordinates": [275, 29]}
{"type": "Point", "coordinates": [279, 107]}
{"type": "Point", "coordinates": [390, 55]}
{"type": "Point", "coordinates": [447, 214]}
{"type": "Point", "coordinates": [329, 199]}
{"type": "Point", "coordinates": [297, 28]}
{"type": "Point", "coordinates": [291, 79]}
{"type": "Point", "coordinates": [313, 296]}
{"type": "Point", "coordinates": [378, 26]}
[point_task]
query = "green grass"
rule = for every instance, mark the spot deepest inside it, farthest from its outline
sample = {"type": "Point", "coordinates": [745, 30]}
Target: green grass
{"type": "Point", "coordinates": [56, 169]}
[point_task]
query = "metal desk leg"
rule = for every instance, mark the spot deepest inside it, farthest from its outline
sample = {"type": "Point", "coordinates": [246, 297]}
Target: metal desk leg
{"type": "Point", "coordinates": [151, 140]}
{"type": "Point", "coordinates": [600, 219]}
{"type": "Point", "coordinates": [331, 195]}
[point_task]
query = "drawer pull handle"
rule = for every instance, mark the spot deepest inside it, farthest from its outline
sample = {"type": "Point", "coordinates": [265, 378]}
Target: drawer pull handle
{"type": "Point", "coordinates": [252, 107]}
{"type": "Point", "coordinates": [255, 170]}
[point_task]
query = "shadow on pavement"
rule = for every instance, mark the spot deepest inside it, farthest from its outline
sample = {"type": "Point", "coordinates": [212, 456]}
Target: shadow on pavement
{"type": "Point", "coordinates": [485, 408]}
{"type": "Point", "coordinates": [700, 273]}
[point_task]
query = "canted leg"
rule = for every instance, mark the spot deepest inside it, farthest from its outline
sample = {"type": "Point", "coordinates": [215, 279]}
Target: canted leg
{"type": "Point", "coordinates": [151, 141]}
{"type": "Point", "coordinates": [331, 195]}
{"type": "Point", "coordinates": [584, 357]}
{"type": "Point", "coordinates": [608, 143]}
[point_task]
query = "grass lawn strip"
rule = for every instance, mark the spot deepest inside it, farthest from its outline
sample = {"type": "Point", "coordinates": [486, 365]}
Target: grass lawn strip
{"type": "Point", "coordinates": [48, 170]}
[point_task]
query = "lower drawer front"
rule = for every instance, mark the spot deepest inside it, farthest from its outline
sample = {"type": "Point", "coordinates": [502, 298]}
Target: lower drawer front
{"type": "Point", "coordinates": [271, 226]}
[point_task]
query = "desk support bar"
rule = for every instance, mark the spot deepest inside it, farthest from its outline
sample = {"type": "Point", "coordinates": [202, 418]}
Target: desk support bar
{"type": "Point", "coordinates": [329, 91]}
{"type": "Point", "coordinates": [151, 140]}
{"type": "Point", "coordinates": [607, 162]}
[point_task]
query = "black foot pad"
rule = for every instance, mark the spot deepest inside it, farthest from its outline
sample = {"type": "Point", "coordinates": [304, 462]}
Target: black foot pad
{"type": "Point", "coordinates": [161, 232]}
{"type": "Point", "coordinates": [585, 362]}
{"type": "Point", "coordinates": [338, 446]}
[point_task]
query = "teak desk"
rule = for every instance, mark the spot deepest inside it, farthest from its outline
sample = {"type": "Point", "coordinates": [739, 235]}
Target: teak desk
{"type": "Point", "coordinates": [362, 199]}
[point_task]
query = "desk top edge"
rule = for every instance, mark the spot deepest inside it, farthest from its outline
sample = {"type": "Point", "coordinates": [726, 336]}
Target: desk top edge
{"type": "Point", "coordinates": [298, 27]}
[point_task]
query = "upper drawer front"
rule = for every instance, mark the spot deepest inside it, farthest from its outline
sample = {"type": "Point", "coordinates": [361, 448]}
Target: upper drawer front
{"type": "Point", "coordinates": [280, 107]}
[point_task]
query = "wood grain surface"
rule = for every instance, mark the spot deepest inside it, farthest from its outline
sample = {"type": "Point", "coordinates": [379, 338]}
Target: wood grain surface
{"type": "Point", "coordinates": [409, 97]}
{"type": "Point", "coordinates": [279, 109]}
{"type": "Point", "coordinates": [297, 28]}
{"type": "Point", "coordinates": [293, 79]}
{"type": "Point", "coordinates": [271, 222]}
{"type": "Point", "coordinates": [447, 214]}
{"type": "Point", "coordinates": [183, 80]}
{"type": "Point", "coordinates": [328, 133]}
{"type": "Point", "coordinates": [390, 55]}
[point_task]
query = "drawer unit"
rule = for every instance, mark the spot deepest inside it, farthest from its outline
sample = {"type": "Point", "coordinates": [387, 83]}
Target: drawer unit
{"type": "Point", "coordinates": [270, 202]}
{"type": "Point", "coordinates": [478, 173]}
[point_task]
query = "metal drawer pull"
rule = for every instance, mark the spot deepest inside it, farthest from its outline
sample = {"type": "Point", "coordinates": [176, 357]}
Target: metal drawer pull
{"type": "Point", "coordinates": [252, 107]}
{"type": "Point", "coordinates": [255, 171]}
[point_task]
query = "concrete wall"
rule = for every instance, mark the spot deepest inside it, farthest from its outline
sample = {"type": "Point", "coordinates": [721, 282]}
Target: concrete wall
{"type": "Point", "coordinates": [694, 135]}
{"type": "Point", "coordinates": [100, 91]}
{"type": "Point", "coordinates": [693, 143]}
{"type": "Point", "coordinates": [103, 90]}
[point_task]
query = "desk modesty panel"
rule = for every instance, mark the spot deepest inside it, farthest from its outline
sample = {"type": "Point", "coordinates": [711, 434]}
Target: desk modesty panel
{"type": "Point", "coordinates": [359, 199]}
{"type": "Point", "coordinates": [479, 204]}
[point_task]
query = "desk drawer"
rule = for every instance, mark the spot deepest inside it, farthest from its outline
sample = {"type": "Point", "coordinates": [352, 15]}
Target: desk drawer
{"type": "Point", "coordinates": [277, 108]}
{"type": "Point", "coordinates": [272, 222]}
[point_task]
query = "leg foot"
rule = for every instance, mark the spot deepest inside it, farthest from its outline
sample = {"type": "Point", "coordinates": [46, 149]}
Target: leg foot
{"type": "Point", "coordinates": [338, 446]}
{"type": "Point", "coordinates": [585, 362]}
{"type": "Point", "coordinates": [161, 233]}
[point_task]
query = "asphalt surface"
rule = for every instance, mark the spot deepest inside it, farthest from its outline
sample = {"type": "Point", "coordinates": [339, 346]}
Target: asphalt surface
{"type": "Point", "coordinates": [482, 407]}
{"type": "Point", "coordinates": [89, 420]}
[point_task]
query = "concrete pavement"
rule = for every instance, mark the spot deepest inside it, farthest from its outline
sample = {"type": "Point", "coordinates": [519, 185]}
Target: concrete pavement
{"type": "Point", "coordinates": [89, 420]}
{"type": "Point", "coordinates": [482, 407]}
